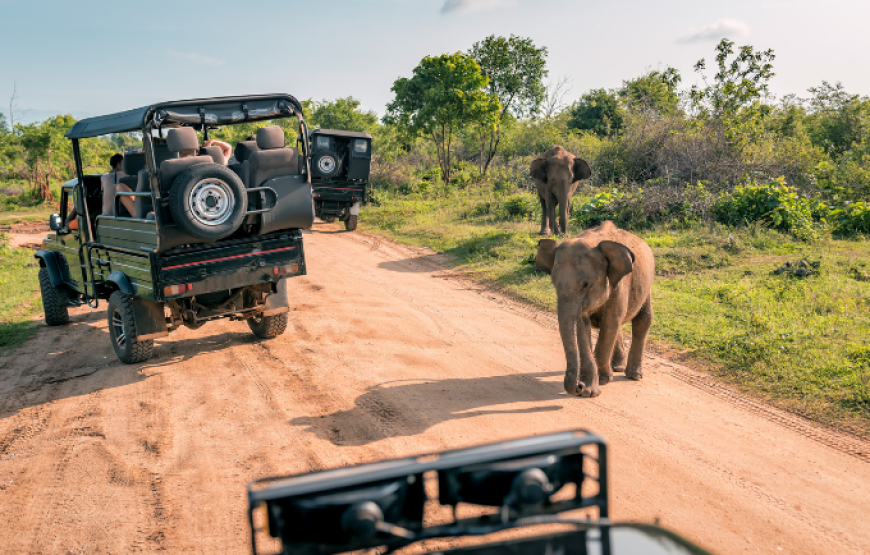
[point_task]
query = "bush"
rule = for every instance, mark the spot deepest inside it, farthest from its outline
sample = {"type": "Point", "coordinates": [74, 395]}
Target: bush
{"type": "Point", "coordinates": [772, 203]}
{"type": "Point", "coordinates": [852, 218]}
{"type": "Point", "coordinates": [525, 206]}
{"type": "Point", "coordinates": [645, 208]}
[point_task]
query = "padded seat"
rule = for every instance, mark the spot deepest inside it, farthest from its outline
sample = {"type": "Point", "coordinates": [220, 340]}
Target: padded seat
{"type": "Point", "coordinates": [272, 159]}
{"type": "Point", "coordinates": [133, 163]}
{"type": "Point", "coordinates": [216, 154]}
{"type": "Point", "coordinates": [181, 139]}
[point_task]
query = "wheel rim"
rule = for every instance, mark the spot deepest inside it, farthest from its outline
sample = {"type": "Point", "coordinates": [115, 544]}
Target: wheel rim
{"type": "Point", "coordinates": [211, 202]}
{"type": "Point", "coordinates": [118, 328]}
{"type": "Point", "coordinates": [326, 164]}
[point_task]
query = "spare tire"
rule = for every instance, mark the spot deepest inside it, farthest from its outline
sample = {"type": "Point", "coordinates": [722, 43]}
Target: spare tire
{"type": "Point", "coordinates": [326, 164]}
{"type": "Point", "coordinates": [208, 201]}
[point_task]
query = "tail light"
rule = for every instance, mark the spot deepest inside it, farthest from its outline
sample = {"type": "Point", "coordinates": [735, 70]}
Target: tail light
{"type": "Point", "coordinates": [177, 289]}
{"type": "Point", "coordinates": [288, 269]}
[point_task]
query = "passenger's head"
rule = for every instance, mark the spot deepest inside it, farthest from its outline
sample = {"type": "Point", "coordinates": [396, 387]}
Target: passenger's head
{"type": "Point", "coordinates": [115, 162]}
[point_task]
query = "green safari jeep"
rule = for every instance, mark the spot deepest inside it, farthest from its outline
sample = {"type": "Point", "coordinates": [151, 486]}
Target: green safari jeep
{"type": "Point", "coordinates": [205, 237]}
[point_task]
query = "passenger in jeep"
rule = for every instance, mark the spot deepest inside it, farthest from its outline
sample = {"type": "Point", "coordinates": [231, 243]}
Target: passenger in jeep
{"type": "Point", "coordinates": [208, 148]}
{"type": "Point", "coordinates": [109, 182]}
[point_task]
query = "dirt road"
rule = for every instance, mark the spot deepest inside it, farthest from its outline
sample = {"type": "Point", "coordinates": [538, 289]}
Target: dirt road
{"type": "Point", "coordinates": [389, 354]}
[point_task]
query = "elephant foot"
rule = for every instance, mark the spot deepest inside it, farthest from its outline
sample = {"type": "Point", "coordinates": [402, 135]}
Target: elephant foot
{"type": "Point", "coordinates": [634, 373]}
{"type": "Point", "coordinates": [545, 232]}
{"type": "Point", "coordinates": [604, 379]}
{"type": "Point", "coordinates": [572, 384]}
{"type": "Point", "coordinates": [594, 391]}
{"type": "Point", "coordinates": [619, 369]}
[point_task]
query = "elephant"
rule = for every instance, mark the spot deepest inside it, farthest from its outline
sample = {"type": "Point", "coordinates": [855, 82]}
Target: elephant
{"type": "Point", "coordinates": [603, 279]}
{"type": "Point", "coordinates": [556, 174]}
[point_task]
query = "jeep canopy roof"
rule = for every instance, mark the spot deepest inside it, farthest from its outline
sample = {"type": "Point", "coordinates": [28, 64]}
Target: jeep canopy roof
{"type": "Point", "coordinates": [340, 133]}
{"type": "Point", "coordinates": [213, 111]}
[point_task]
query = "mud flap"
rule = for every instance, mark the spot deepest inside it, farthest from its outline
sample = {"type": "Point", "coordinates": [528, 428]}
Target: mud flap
{"type": "Point", "coordinates": [354, 210]}
{"type": "Point", "coordinates": [150, 319]}
{"type": "Point", "coordinates": [277, 302]}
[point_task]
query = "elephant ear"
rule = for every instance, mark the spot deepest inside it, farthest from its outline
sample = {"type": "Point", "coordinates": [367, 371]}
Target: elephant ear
{"type": "Point", "coordinates": [538, 169]}
{"type": "Point", "coordinates": [620, 260]}
{"type": "Point", "coordinates": [546, 255]}
{"type": "Point", "coordinates": [581, 169]}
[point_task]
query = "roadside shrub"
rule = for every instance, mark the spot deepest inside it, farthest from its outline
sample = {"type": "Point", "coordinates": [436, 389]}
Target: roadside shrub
{"type": "Point", "coordinates": [597, 209]}
{"type": "Point", "coordinates": [773, 203]}
{"type": "Point", "coordinates": [851, 218]}
{"type": "Point", "coordinates": [525, 206]}
{"type": "Point", "coordinates": [675, 205]}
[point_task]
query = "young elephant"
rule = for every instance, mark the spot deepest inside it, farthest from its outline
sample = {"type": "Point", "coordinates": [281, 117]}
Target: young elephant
{"type": "Point", "coordinates": [557, 173]}
{"type": "Point", "coordinates": [603, 279]}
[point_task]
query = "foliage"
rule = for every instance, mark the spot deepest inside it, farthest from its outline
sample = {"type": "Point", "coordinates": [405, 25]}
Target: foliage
{"type": "Point", "coordinates": [524, 206]}
{"type": "Point", "coordinates": [655, 91]}
{"type": "Point", "coordinates": [342, 113]}
{"type": "Point", "coordinates": [851, 218]}
{"type": "Point", "coordinates": [773, 203]}
{"type": "Point", "coordinates": [445, 93]}
{"type": "Point", "coordinates": [734, 98]}
{"type": "Point", "coordinates": [19, 300]}
{"type": "Point", "coordinates": [598, 111]}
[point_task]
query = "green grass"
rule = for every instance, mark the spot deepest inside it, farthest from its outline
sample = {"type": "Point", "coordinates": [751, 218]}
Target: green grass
{"type": "Point", "coordinates": [801, 343]}
{"type": "Point", "coordinates": [19, 295]}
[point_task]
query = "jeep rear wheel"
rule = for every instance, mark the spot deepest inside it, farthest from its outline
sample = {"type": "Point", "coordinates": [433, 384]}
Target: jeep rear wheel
{"type": "Point", "coordinates": [350, 222]}
{"type": "Point", "coordinates": [56, 313]}
{"type": "Point", "coordinates": [122, 330]}
{"type": "Point", "coordinates": [208, 201]}
{"type": "Point", "coordinates": [268, 327]}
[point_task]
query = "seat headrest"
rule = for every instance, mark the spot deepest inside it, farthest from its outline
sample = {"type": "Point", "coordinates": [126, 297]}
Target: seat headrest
{"type": "Point", "coordinates": [133, 162]}
{"type": "Point", "coordinates": [270, 137]}
{"type": "Point", "coordinates": [244, 150]}
{"type": "Point", "coordinates": [182, 138]}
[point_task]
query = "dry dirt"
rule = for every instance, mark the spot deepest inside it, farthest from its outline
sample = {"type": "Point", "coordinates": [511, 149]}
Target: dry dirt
{"type": "Point", "coordinates": [389, 353]}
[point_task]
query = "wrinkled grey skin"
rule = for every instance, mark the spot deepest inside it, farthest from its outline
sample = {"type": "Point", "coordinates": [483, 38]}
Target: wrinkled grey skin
{"type": "Point", "coordinates": [603, 279]}
{"type": "Point", "coordinates": [557, 173]}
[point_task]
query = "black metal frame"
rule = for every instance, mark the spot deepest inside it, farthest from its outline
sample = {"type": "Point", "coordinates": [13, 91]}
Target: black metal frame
{"type": "Point", "coordinates": [307, 488]}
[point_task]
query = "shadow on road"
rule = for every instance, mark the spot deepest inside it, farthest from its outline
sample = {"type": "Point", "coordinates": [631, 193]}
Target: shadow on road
{"type": "Point", "coordinates": [397, 409]}
{"type": "Point", "coordinates": [419, 264]}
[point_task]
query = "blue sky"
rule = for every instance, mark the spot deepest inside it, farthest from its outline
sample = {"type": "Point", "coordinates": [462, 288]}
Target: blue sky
{"type": "Point", "coordinates": [92, 57]}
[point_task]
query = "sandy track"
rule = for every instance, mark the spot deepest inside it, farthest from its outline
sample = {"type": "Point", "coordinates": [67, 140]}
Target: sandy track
{"type": "Point", "coordinates": [389, 354]}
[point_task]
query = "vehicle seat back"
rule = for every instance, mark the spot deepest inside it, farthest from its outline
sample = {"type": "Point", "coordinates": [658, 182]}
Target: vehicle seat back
{"type": "Point", "coordinates": [273, 158]}
{"type": "Point", "coordinates": [180, 139]}
{"type": "Point", "coordinates": [216, 154]}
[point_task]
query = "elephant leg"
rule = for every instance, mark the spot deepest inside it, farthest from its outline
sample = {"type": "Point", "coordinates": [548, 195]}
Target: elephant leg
{"type": "Point", "coordinates": [618, 360]}
{"type": "Point", "coordinates": [639, 330]}
{"type": "Point", "coordinates": [607, 337]}
{"type": "Point", "coordinates": [545, 229]}
{"type": "Point", "coordinates": [589, 373]}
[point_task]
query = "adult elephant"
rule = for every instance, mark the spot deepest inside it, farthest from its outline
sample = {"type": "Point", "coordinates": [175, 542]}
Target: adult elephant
{"type": "Point", "coordinates": [603, 279]}
{"type": "Point", "coordinates": [557, 173]}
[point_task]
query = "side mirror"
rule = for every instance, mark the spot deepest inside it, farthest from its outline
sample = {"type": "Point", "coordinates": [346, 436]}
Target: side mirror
{"type": "Point", "coordinates": [55, 223]}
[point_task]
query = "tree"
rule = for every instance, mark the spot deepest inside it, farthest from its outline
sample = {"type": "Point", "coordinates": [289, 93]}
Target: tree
{"type": "Point", "coordinates": [554, 101]}
{"type": "Point", "coordinates": [4, 129]}
{"type": "Point", "coordinates": [598, 111]}
{"type": "Point", "coordinates": [344, 113]}
{"type": "Point", "coordinates": [655, 91]}
{"type": "Point", "coordinates": [838, 120]}
{"type": "Point", "coordinates": [445, 93]}
{"type": "Point", "coordinates": [516, 69]}
{"type": "Point", "coordinates": [734, 98]}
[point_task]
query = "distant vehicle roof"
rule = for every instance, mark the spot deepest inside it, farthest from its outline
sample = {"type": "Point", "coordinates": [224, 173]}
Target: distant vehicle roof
{"type": "Point", "coordinates": [341, 133]}
{"type": "Point", "coordinates": [215, 111]}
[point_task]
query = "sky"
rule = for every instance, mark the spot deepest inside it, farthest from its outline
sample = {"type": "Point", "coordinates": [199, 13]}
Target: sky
{"type": "Point", "coordinates": [94, 57]}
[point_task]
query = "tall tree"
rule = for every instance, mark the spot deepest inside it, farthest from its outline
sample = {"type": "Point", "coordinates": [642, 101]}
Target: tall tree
{"type": "Point", "coordinates": [445, 93]}
{"type": "Point", "coordinates": [598, 111]}
{"type": "Point", "coordinates": [345, 114]}
{"type": "Point", "coordinates": [655, 91]}
{"type": "Point", "coordinates": [516, 70]}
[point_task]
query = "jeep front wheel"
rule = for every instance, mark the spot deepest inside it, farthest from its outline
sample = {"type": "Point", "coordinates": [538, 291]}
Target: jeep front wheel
{"type": "Point", "coordinates": [122, 330]}
{"type": "Point", "coordinates": [56, 313]}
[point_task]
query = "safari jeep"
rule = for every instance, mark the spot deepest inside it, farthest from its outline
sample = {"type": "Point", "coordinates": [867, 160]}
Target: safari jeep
{"type": "Point", "coordinates": [340, 163]}
{"type": "Point", "coordinates": [205, 239]}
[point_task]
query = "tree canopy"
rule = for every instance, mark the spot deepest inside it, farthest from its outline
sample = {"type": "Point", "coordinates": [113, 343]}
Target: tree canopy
{"type": "Point", "coordinates": [343, 113]}
{"type": "Point", "coordinates": [445, 93]}
{"type": "Point", "coordinates": [598, 111]}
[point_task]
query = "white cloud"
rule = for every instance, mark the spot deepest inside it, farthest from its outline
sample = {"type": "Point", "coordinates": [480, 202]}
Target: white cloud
{"type": "Point", "coordinates": [195, 58]}
{"type": "Point", "coordinates": [457, 6]}
{"type": "Point", "coordinates": [715, 31]}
